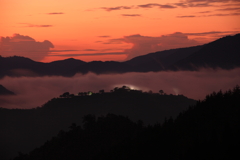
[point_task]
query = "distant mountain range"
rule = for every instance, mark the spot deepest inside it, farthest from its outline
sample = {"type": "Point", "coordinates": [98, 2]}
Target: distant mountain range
{"type": "Point", "coordinates": [223, 53]}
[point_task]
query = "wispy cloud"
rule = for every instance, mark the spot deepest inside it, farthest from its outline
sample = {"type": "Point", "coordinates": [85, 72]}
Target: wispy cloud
{"type": "Point", "coordinates": [151, 5]}
{"type": "Point", "coordinates": [182, 4]}
{"type": "Point", "coordinates": [205, 12]}
{"type": "Point", "coordinates": [116, 8]}
{"type": "Point", "coordinates": [212, 33]}
{"type": "Point", "coordinates": [36, 25]}
{"type": "Point", "coordinates": [190, 16]}
{"type": "Point", "coordinates": [131, 15]}
{"type": "Point", "coordinates": [211, 15]}
{"type": "Point", "coordinates": [54, 13]}
{"type": "Point", "coordinates": [88, 54]}
{"type": "Point", "coordinates": [219, 14]}
{"type": "Point", "coordinates": [105, 36]}
{"type": "Point", "coordinates": [89, 50]}
{"type": "Point", "coordinates": [63, 50]}
{"type": "Point", "coordinates": [229, 9]}
{"type": "Point", "coordinates": [143, 6]}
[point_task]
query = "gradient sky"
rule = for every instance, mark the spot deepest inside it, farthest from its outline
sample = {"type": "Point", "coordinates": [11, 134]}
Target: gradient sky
{"type": "Point", "coordinates": [47, 30]}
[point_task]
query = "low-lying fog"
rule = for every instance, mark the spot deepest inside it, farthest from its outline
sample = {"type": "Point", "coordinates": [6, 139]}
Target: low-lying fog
{"type": "Point", "coordinates": [35, 91]}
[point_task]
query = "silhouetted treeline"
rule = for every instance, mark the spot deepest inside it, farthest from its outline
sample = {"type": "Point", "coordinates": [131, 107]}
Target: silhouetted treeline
{"type": "Point", "coordinates": [208, 130]}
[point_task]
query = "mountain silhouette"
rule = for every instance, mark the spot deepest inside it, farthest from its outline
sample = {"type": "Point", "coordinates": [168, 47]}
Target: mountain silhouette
{"type": "Point", "coordinates": [222, 53]}
{"type": "Point", "coordinates": [4, 91]}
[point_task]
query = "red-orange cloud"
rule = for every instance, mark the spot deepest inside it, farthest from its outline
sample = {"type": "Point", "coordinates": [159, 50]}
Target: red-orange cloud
{"type": "Point", "coordinates": [145, 44]}
{"type": "Point", "coordinates": [26, 46]}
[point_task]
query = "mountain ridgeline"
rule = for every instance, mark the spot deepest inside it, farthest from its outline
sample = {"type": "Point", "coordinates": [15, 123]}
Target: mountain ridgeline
{"type": "Point", "coordinates": [208, 130]}
{"type": "Point", "coordinates": [223, 53]}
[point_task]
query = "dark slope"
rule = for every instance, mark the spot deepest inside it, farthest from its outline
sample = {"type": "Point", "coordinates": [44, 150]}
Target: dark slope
{"type": "Point", "coordinates": [23, 130]}
{"type": "Point", "coordinates": [107, 67]}
{"type": "Point", "coordinates": [21, 66]}
{"type": "Point", "coordinates": [209, 130]}
{"type": "Point", "coordinates": [161, 60]}
{"type": "Point", "coordinates": [222, 53]}
{"type": "Point", "coordinates": [4, 91]}
{"type": "Point", "coordinates": [65, 67]}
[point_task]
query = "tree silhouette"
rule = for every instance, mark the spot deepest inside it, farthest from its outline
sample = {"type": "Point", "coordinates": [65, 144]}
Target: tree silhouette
{"type": "Point", "coordinates": [66, 94]}
{"type": "Point", "coordinates": [161, 92]}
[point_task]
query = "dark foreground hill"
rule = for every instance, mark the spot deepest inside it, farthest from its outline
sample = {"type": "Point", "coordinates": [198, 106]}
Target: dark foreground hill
{"type": "Point", "coordinates": [4, 91]}
{"type": "Point", "coordinates": [24, 130]}
{"type": "Point", "coordinates": [223, 53]}
{"type": "Point", "coordinates": [209, 130]}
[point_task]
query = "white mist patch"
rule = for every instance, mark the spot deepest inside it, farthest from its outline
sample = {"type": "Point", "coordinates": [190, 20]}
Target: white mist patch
{"type": "Point", "coordinates": [131, 86]}
{"type": "Point", "coordinates": [176, 91]}
{"type": "Point", "coordinates": [32, 92]}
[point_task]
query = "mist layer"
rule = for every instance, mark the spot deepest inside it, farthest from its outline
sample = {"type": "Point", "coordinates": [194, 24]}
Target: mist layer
{"type": "Point", "coordinates": [35, 91]}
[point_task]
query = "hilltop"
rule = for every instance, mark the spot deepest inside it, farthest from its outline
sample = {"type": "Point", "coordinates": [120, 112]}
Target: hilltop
{"type": "Point", "coordinates": [24, 129]}
{"type": "Point", "coordinates": [208, 130]}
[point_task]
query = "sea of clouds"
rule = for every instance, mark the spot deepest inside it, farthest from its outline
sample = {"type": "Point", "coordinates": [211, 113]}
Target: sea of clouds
{"type": "Point", "coordinates": [32, 92]}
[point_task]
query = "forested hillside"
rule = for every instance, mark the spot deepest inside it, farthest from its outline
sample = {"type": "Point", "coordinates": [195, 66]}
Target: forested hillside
{"type": "Point", "coordinates": [208, 130]}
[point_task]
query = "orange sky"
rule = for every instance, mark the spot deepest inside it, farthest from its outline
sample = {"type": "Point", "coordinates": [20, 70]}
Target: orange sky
{"type": "Point", "coordinates": [47, 30]}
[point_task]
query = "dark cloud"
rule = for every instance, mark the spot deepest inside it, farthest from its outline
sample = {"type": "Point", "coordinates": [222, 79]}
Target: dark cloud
{"type": "Point", "coordinates": [183, 4]}
{"type": "Point", "coordinates": [35, 91]}
{"type": "Point", "coordinates": [89, 50]}
{"type": "Point", "coordinates": [116, 8]}
{"type": "Point", "coordinates": [212, 33]}
{"type": "Point", "coordinates": [205, 12]}
{"type": "Point", "coordinates": [167, 6]}
{"type": "Point", "coordinates": [114, 41]}
{"type": "Point", "coordinates": [35, 25]}
{"type": "Point", "coordinates": [131, 15]}
{"type": "Point", "coordinates": [64, 50]}
{"type": "Point", "coordinates": [26, 46]}
{"type": "Point", "coordinates": [88, 54]}
{"type": "Point", "coordinates": [211, 15]}
{"type": "Point", "coordinates": [207, 3]}
{"type": "Point", "coordinates": [211, 1]}
{"type": "Point", "coordinates": [219, 14]}
{"type": "Point", "coordinates": [190, 16]}
{"type": "Point", "coordinates": [200, 5]}
{"type": "Point", "coordinates": [149, 5]}
{"type": "Point", "coordinates": [229, 9]}
{"type": "Point", "coordinates": [54, 13]}
{"type": "Point", "coordinates": [105, 36]}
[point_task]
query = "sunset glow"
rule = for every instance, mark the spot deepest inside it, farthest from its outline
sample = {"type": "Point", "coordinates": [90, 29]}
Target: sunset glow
{"type": "Point", "coordinates": [104, 30]}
